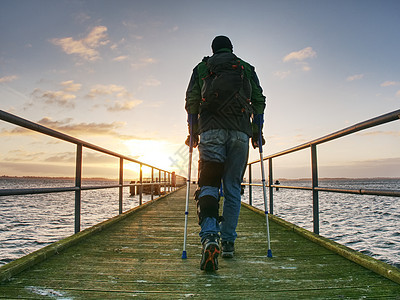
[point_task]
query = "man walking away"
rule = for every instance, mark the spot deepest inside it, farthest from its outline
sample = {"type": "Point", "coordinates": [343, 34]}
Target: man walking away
{"type": "Point", "coordinates": [223, 96]}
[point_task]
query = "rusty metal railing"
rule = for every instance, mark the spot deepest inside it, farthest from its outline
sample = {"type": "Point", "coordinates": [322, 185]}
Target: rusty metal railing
{"type": "Point", "coordinates": [315, 189]}
{"type": "Point", "coordinates": [168, 183]}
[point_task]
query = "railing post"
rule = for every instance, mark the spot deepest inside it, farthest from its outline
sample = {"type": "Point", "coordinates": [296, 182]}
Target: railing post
{"type": "Point", "coordinates": [250, 187]}
{"type": "Point", "coordinates": [78, 184]}
{"type": "Point", "coordinates": [159, 183]}
{"type": "Point", "coordinates": [121, 182]}
{"type": "Point", "coordinates": [141, 185]}
{"type": "Point", "coordinates": [271, 189]}
{"type": "Point", "coordinates": [165, 182]}
{"type": "Point", "coordinates": [152, 183]}
{"type": "Point", "coordinates": [169, 182]}
{"type": "Point", "coordinates": [314, 168]}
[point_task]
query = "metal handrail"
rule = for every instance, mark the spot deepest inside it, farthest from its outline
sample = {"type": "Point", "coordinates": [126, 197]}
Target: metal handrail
{"type": "Point", "coordinates": [10, 118]}
{"type": "Point", "coordinates": [78, 188]}
{"type": "Point", "coordinates": [383, 119]}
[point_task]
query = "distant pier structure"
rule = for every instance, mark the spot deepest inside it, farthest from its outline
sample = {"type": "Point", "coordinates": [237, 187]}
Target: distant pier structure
{"type": "Point", "coordinates": [277, 183]}
{"type": "Point", "coordinates": [155, 187]}
{"type": "Point", "coordinates": [147, 187]}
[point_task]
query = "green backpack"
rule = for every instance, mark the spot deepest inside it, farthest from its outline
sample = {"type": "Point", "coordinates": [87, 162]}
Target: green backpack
{"type": "Point", "coordinates": [226, 91]}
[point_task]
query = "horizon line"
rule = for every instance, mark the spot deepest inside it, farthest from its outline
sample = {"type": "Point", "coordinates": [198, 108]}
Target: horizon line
{"type": "Point", "coordinates": [282, 178]}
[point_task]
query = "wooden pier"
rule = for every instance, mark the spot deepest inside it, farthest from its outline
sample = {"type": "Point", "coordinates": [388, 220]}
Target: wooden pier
{"type": "Point", "coordinates": [138, 255]}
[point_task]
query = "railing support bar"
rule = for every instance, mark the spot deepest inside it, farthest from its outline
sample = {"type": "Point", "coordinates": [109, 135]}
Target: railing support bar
{"type": "Point", "coordinates": [165, 182]}
{"type": "Point", "coordinates": [271, 189]}
{"type": "Point", "coordinates": [141, 185]}
{"type": "Point", "coordinates": [152, 183]}
{"type": "Point", "coordinates": [169, 182]}
{"type": "Point", "coordinates": [314, 171]}
{"type": "Point", "coordinates": [121, 182]}
{"type": "Point", "coordinates": [250, 187]}
{"type": "Point", "coordinates": [78, 184]}
{"type": "Point", "coordinates": [159, 183]}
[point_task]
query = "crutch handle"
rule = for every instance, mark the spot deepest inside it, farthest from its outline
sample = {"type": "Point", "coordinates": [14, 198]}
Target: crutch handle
{"type": "Point", "coordinates": [259, 120]}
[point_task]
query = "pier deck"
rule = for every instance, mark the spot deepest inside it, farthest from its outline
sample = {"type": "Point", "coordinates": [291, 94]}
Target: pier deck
{"type": "Point", "coordinates": [141, 256]}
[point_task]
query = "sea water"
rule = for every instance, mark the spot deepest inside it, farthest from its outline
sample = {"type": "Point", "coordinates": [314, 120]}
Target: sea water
{"type": "Point", "coordinates": [369, 224]}
{"type": "Point", "coordinates": [30, 222]}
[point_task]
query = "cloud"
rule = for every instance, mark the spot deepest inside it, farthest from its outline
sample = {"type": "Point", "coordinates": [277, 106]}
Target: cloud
{"type": "Point", "coordinates": [88, 158]}
{"type": "Point", "coordinates": [123, 100]}
{"type": "Point", "coordinates": [282, 74]}
{"type": "Point", "coordinates": [63, 97]}
{"type": "Point", "coordinates": [110, 89]}
{"type": "Point", "coordinates": [381, 133]}
{"type": "Point", "coordinates": [123, 105]}
{"type": "Point", "coordinates": [386, 167]}
{"type": "Point", "coordinates": [116, 45]}
{"type": "Point", "coordinates": [82, 17]}
{"type": "Point", "coordinates": [144, 62]}
{"type": "Point", "coordinates": [81, 128]}
{"type": "Point", "coordinates": [300, 55]}
{"type": "Point", "coordinates": [22, 155]}
{"type": "Point", "coordinates": [75, 129]}
{"type": "Point", "coordinates": [355, 77]}
{"type": "Point", "coordinates": [120, 58]}
{"type": "Point", "coordinates": [70, 86]}
{"type": "Point", "coordinates": [389, 83]}
{"type": "Point", "coordinates": [151, 82]}
{"type": "Point", "coordinates": [130, 24]}
{"type": "Point", "coordinates": [149, 60]}
{"type": "Point", "coordinates": [304, 66]}
{"type": "Point", "coordinates": [85, 47]}
{"type": "Point", "coordinates": [65, 157]}
{"type": "Point", "coordinates": [60, 98]}
{"type": "Point", "coordinates": [8, 78]}
{"type": "Point", "coordinates": [17, 156]}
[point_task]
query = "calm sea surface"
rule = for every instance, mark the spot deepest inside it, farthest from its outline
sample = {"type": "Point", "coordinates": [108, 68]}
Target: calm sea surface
{"type": "Point", "coordinates": [370, 224]}
{"type": "Point", "coordinates": [30, 222]}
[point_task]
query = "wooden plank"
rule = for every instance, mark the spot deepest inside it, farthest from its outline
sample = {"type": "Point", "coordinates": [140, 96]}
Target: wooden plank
{"type": "Point", "coordinates": [141, 256]}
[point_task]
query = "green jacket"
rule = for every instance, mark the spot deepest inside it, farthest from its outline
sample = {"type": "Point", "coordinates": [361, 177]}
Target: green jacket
{"type": "Point", "coordinates": [194, 98]}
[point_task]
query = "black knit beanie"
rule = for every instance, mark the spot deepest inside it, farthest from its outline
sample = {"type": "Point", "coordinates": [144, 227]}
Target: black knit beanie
{"type": "Point", "coordinates": [220, 42]}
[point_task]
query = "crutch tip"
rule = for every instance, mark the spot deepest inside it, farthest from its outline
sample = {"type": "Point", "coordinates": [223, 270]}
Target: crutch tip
{"type": "Point", "coordinates": [184, 255]}
{"type": "Point", "coordinates": [269, 254]}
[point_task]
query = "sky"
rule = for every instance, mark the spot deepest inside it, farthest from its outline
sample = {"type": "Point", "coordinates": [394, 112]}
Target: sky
{"type": "Point", "coordinates": [114, 73]}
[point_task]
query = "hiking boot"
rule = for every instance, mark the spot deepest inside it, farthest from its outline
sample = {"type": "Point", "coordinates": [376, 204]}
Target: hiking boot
{"type": "Point", "coordinates": [228, 248]}
{"type": "Point", "coordinates": [209, 254]}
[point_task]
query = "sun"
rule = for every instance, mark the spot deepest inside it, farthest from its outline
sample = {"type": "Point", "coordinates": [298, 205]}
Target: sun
{"type": "Point", "coordinates": [155, 153]}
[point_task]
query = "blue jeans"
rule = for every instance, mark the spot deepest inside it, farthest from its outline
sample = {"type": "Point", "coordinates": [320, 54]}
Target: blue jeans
{"type": "Point", "coordinates": [230, 147]}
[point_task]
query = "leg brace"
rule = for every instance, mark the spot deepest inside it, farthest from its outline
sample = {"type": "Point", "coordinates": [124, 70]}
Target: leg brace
{"type": "Point", "coordinates": [210, 175]}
